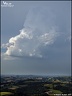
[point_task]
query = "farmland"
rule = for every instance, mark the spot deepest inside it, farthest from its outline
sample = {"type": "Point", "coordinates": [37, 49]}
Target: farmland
{"type": "Point", "coordinates": [35, 86]}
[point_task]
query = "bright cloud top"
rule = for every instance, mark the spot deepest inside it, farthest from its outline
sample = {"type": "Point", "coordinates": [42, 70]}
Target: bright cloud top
{"type": "Point", "coordinates": [39, 31]}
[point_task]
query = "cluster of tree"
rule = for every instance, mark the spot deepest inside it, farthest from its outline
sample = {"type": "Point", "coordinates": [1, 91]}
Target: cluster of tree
{"type": "Point", "coordinates": [65, 89]}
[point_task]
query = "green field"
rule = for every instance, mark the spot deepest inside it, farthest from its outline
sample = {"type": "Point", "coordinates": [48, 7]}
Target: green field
{"type": "Point", "coordinates": [56, 91]}
{"type": "Point", "coordinates": [48, 85]}
{"type": "Point", "coordinates": [5, 93]}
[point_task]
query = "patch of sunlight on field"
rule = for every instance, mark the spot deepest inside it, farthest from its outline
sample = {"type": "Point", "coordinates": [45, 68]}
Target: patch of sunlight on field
{"type": "Point", "coordinates": [14, 87]}
{"type": "Point", "coordinates": [5, 93]}
{"type": "Point", "coordinates": [56, 91]}
{"type": "Point", "coordinates": [48, 85]}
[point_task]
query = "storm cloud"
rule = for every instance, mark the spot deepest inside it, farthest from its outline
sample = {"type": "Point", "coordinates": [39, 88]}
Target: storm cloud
{"type": "Point", "coordinates": [39, 31]}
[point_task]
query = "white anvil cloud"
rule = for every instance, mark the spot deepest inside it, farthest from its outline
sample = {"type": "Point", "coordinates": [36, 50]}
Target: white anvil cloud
{"type": "Point", "coordinates": [39, 31]}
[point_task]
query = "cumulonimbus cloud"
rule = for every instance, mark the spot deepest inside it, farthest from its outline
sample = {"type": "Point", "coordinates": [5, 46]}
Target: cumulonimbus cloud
{"type": "Point", "coordinates": [39, 30]}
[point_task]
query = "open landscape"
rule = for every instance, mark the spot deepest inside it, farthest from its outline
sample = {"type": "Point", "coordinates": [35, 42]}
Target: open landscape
{"type": "Point", "coordinates": [35, 48]}
{"type": "Point", "coordinates": [33, 85]}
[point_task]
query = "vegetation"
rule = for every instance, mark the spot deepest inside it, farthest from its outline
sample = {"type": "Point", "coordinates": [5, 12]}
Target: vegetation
{"type": "Point", "coordinates": [20, 86]}
{"type": "Point", "coordinates": [57, 92]}
{"type": "Point", "coordinates": [5, 93]}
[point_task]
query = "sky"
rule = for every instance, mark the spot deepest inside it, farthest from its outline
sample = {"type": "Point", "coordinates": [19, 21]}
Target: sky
{"type": "Point", "coordinates": [36, 37]}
